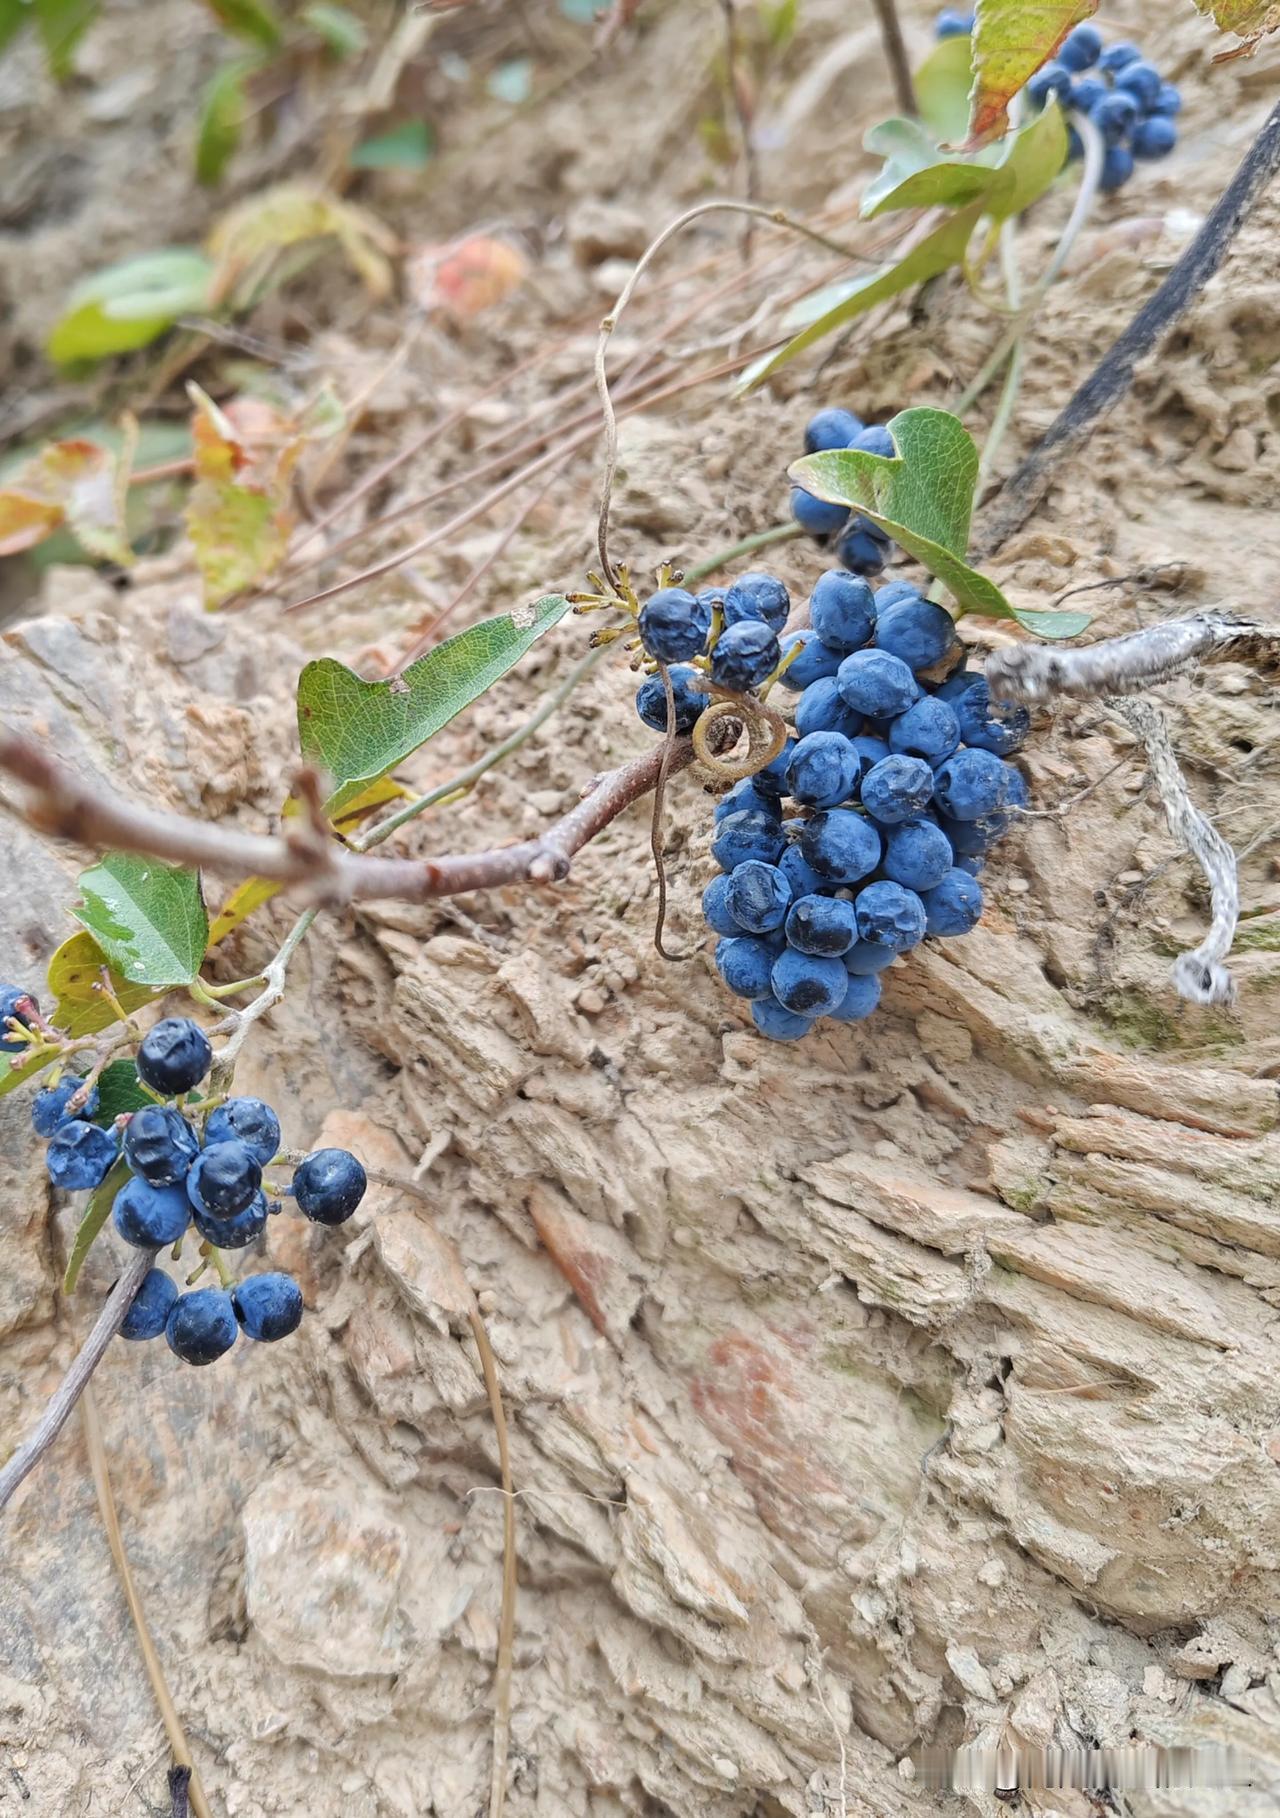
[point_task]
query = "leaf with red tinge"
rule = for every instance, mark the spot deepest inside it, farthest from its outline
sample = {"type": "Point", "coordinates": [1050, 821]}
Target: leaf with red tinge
{"type": "Point", "coordinates": [78, 484]}
{"type": "Point", "coordinates": [1011, 39]}
{"type": "Point", "coordinates": [467, 276]}
{"type": "Point", "coordinates": [1247, 19]}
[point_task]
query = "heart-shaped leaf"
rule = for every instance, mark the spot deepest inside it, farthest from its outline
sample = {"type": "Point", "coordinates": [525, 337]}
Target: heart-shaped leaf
{"type": "Point", "coordinates": [356, 730]}
{"type": "Point", "coordinates": [924, 500]}
{"type": "Point", "coordinates": [75, 977]}
{"type": "Point", "coordinates": [149, 919]}
{"type": "Point", "coordinates": [1011, 39]}
{"type": "Point", "coordinates": [96, 1214]}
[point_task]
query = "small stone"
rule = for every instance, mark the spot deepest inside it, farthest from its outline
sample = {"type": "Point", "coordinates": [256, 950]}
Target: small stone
{"type": "Point", "coordinates": [590, 1001]}
{"type": "Point", "coordinates": [992, 1573]}
{"type": "Point", "coordinates": [727, 1770]}
{"type": "Point", "coordinates": [971, 1673]}
{"type": "Point", "coordinates": [546, 801]}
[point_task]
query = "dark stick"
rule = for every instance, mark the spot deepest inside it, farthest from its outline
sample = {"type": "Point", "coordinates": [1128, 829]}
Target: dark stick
{"type": "Point", "coordinates": [1111, 379]}
{"type": "Point", "coordinates": [895, 55]}
{"type": "Point", "coordinates": [69, 1390]}
{"type": "Point", "coordinates": [179, 1789]}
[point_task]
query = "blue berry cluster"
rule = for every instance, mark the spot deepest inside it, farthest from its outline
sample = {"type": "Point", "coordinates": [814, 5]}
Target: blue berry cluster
{"type": "Point", "coordinates": [1124, 95]}
{"type": "Point", "coordinates": [179, 1177]}
{"type": "Point", "coordinates": [860, 546]}
{"type": "Point", "coordinates": [898, 784]}
{"type": "Point", "coordinates": [736, 626]}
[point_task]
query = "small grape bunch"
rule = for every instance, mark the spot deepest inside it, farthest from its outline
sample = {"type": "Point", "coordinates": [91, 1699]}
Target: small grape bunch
{"type": "Point", "coordinates": [176, 1175]}
{"type": "Point", "coordinates": [1124, 95]}
{"type": "Point", "coordinates": [860, 545]}
{"type": "Point", "coordinates": [898, 783]}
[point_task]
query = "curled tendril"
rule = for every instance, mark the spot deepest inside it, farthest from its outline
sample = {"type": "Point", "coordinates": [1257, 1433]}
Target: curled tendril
{"type": "Point", "coordinates": [765, 730]}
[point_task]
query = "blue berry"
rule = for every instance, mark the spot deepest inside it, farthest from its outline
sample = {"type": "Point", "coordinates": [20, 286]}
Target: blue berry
{"type": "Point", "coordinates": [745, 655]}
{"type": "Point", "coordinates": [929, 730]}
{"type": "Point", "coordinates": [954, 905]}
{"type": "Point", "coordinates": [812, 661]}
{"type": "Point", "coordinates": [757, 596]}
{"type": "Point", "coordinates": [201, 1326]}
{"type": "Point", "coordinates": [971, 784]}
{"type": "Point", "coordinates": [747, 794]}
{"type": "Point", "coordinates": [824, 770]}
{"type": "Point", "coordinates": [842, 610]}
{"type": "Point", "coordinates": [160, 1145]}
{"type": "Point", "coordinates": [871, 751]}
{"type": "Point", "coordinates": [778, 1024]}
{"type": "Point", "coordinates": [807, 984]}
{"type": "Point", "coordinates": [972, 867]}
{"type": "Point", "coordinates": [800, 874]}
{"type": "Point", "coordinates": [951, 24]}
{"type": "Point", "coordinates": [745, 965]}
{"type": "Point", "coordinates": [223, 1179]}
{"type": "Point", "coordinates": [238, 1228]}
{"type": "Point", "coordinates": [1117, 167]}
{"type": "Point", "coordinates": [859, 551]}
{"type": "Point", "coordinates": [957, 683]}
{"type": "Point", "coordinates": [915, 630]}
{"type": "Point", "coordinates": [49, 1107]}
{"type": "Point", "coordinates": [899, 788]}
{"type": "Point", "coordinates": [329, 1185]}
{"type": "Point", "coordinates": [80, 1156]}
{"type": "Point", "coordinates": [970, 839]}
{"type": "Point", "coordinates": [150, 1217]}
{"type": "Point", "coordinates": [875, 440]}
{"type": "Point", "coordinates": [889, 916]}
{"type": "Point", "coordinates": [715, 908]}
{"type": "Point", "coordinates": [674, 624]}
{"type": "Point", "coordinates": [1081, 48]}
{"type": "Point", "coordinates": [150, 1308]}
{"type": "Point", "coordinates": [268, 1307]}
{"type": "Point", "coordinates": [863, 959]}
{"type": "Point", "coordinates": [821, 708]}
{"type": "Point", "coordinates": [1114, 115]}
{"type": "Point", "coordinates": [249, 1121]}
{"type": "Point", "coordinates": [173, 1056]}
{"type": "Point", "coordinates": [861, 995]}
{"type": "Point", "coordinates": [893, 591]}
{"type": "Point", "coordinates": [823, 926]}
{"type": "Point", "coordinates": [999, 726]}
{"type": "Point", "coordinates": [917, 854]}
{"type": "Point", "coordinates": [16, 1006]}
{"type": "Point", "coordinates": [772, 780]}
{"type": "Point", "coordinates": [1118, 57]}
{"type": "Point", "coordinates": [1169, 100]}
{"type": "Point", "coordinates": [831, 428]}
{"type": "Point", "coordinates": [816, 517]}
{"type": "Point", "coordinates": [758, 897]}
{"type": "Point", "coordinates": [651, 699]}
{"type": "Point", "coordinates": [840, 846]}
{"type": "Point", "coordinates": [745, 835]}
{"type": "Point", "coordinates": [1087, 92]}
{"type": "Point", "coordinates": [877, 683]}
{"type": "Point", "coordinates": [1154, 138]}
{"type": "Point", "coordinates": [1142, 81]}
{"type": "Point", "coordinates": [1054, 78]}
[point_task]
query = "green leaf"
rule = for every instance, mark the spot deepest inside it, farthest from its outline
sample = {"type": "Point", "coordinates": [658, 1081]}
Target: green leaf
{"type": "Point", "coordinates": [780, 22]}
{"type": "Point", "coordinates": [942, 89]}
{"type": "Point", "coordinates": [120, 1090]}
{"type": "Point", "coordinates": [61, 25]}
{"type": "Point", "coordinates": [222, 116]}
{"type": "Point", "coordinates": [128, 305]}
{"type": "Point", "coordinates": [1011, 39]}
{"type": "Point", "coordinates": [96, 1214]}
{"type": "Point", "coordinates": [342, 31]}
{"type": "Point", "coordinates": [405, 147]}
{"type": "Point", "coordinates": [1247, 19]}
{"type": "Point", "coordinates": [924, 500]}
{"type": "Point", "coordinates": [1007, 178]}
{"type": "Point", "coordinates": [12, 1077]}
{"type": "Point", "coordinates": [944, 247]}
{"type": "Point", "coordinates": [75, 969]}
{"type": "Point", "coordinates": [357, 730]}
{"type": "Point", "coordinates": [14, 15]}
{"type": "Point", "coordinates": [248, 19]}
{"type": "Point", "coordinates": [148, 918]}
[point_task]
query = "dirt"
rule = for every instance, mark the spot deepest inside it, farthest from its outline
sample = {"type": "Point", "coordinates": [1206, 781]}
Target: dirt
{"type": "Point", "coordinates": [914, 1384]}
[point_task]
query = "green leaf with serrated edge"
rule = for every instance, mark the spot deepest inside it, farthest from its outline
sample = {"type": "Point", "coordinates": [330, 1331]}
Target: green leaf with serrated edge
{"type": "Point", "coordinates": [924, 500]}
{"type": "Point", "coordinates": [120, 1090]}
{"type": "Point", "coordinates": [149, 919]}
{"type": "Point", "coordinates": [944, 247]}
{"type": "Point", "coordinates": [73, 972]}
{"type": "Point", "coordinates": [942, 89]}
{"type": "Point", "coordinates": [1025, 165]}
{"type": "Point", "coordinates": [357, 730]}
{"type": "Point", "coordinates": [1011, 39]}
{"type": "Point", "coordinates": [11, 1077]}
{"type": "Point", "coordinates": [96, 1214]}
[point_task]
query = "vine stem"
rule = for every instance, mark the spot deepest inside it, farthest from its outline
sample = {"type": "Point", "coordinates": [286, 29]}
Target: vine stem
{"type": "Point", "coordinates": [895, 55]}
{"type": "Point", "coordinates": [68, 1392]}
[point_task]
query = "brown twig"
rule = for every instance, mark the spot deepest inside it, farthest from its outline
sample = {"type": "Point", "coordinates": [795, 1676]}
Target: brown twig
{"type": "Point", "coordinates": [895, 55]}
{"type": "Point", "coordinates": [62, 803]}
{"type": "Point", "coordinates": [73, 1384]}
